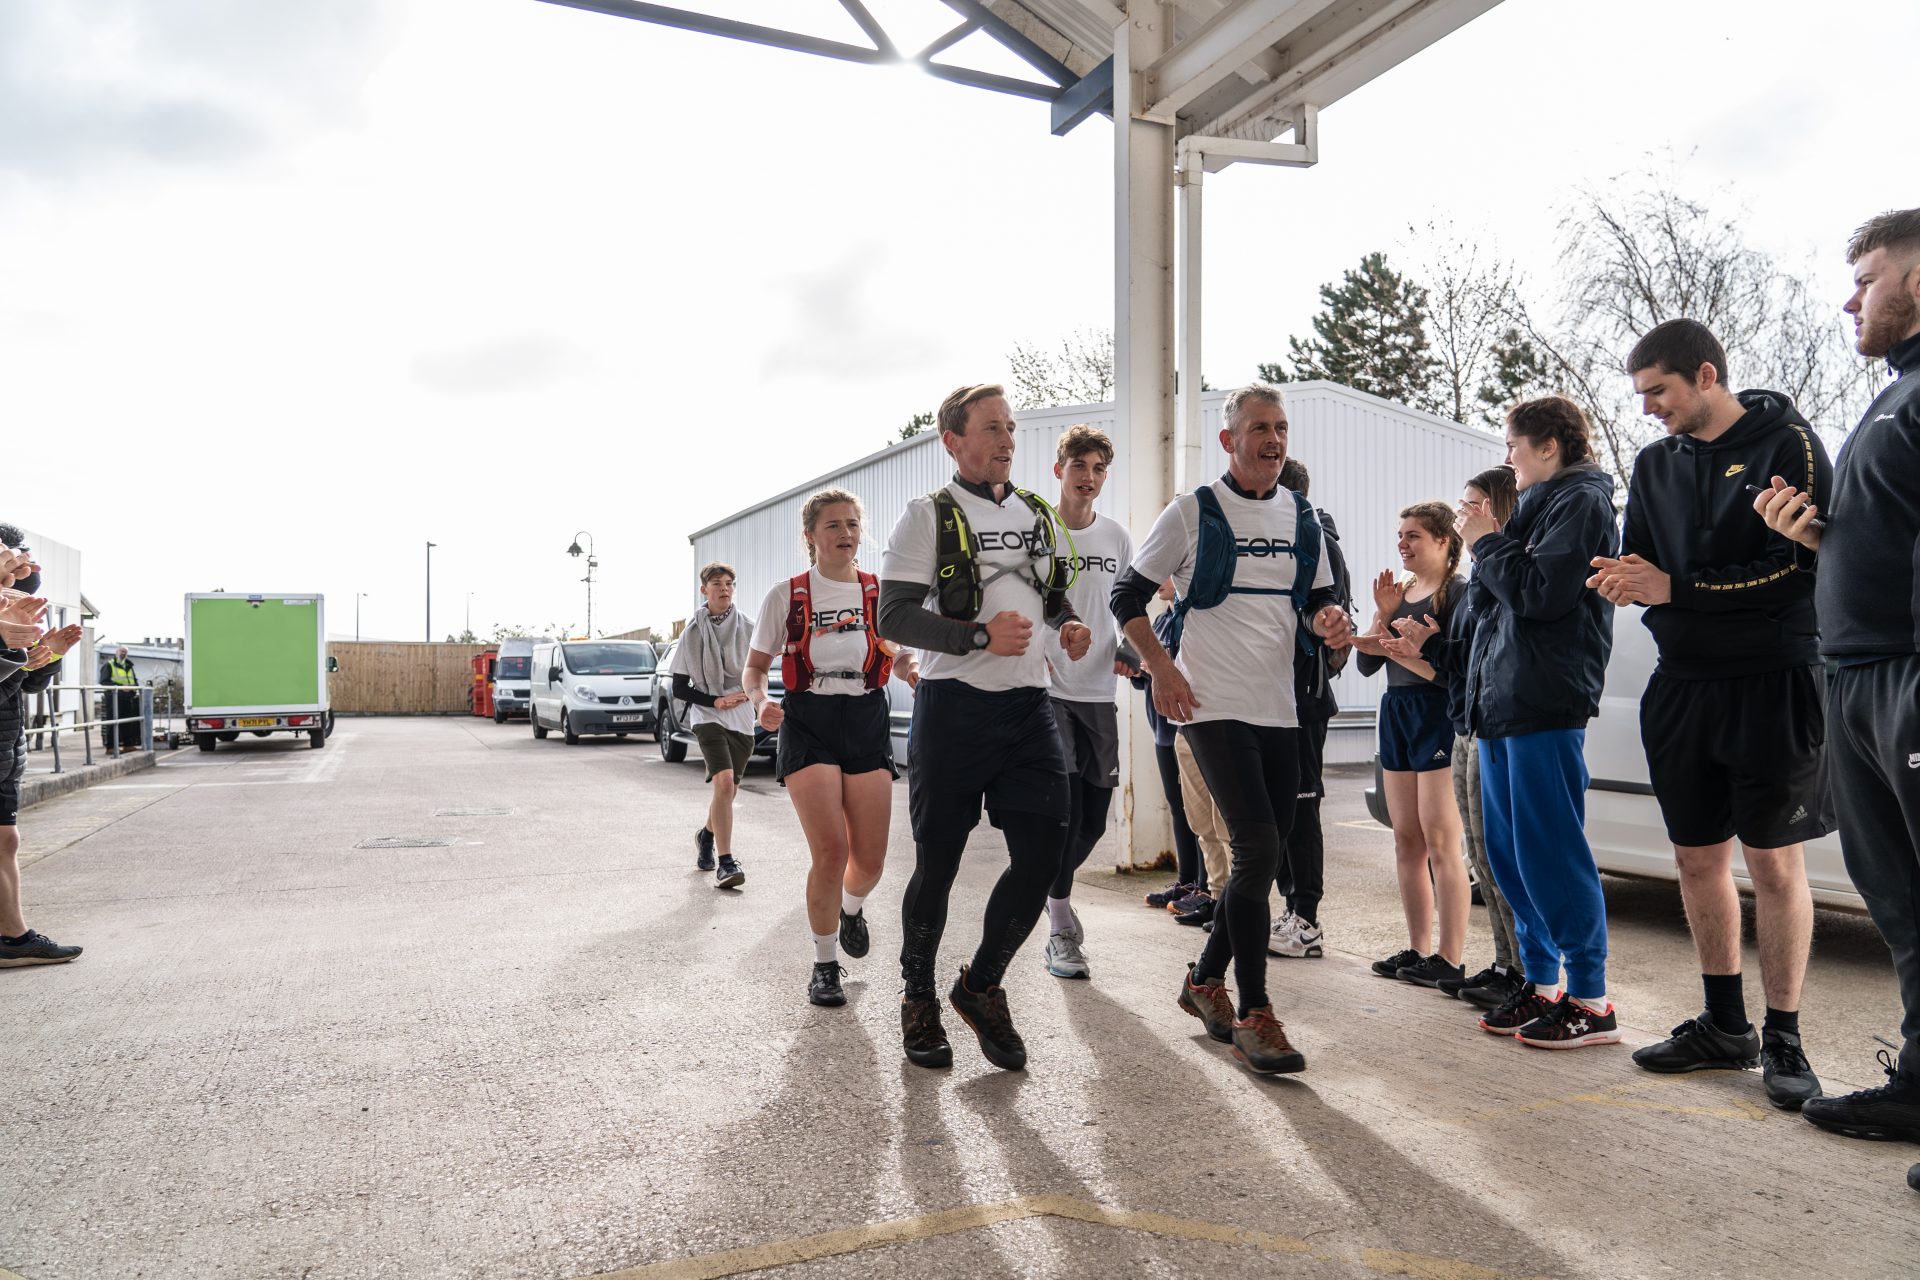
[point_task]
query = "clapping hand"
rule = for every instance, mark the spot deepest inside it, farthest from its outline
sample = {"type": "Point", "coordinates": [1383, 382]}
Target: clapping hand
{"type": "Point", "coordinates": [20, 617]}
{"type": "Point", "coordinates": [1388, 592]}
{"type": "Point", "coordinates": [54, 647]}
{"type": "Point", "coordinates": [1413, 637]}
{"type": "Point", "coordinates": [14, 565]}
{"type": "Point", "coordinates": [1475, 521]}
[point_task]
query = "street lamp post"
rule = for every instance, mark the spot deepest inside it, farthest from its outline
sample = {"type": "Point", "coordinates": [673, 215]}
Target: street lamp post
{"type": "Point", "coordinates": [430, 547]}
{"type": "Point", "coordinates": [358, 596]}
{"type": "Point", "coordinates": [592, 564]}
{"type": "Point", "coordinates": [469, 630]}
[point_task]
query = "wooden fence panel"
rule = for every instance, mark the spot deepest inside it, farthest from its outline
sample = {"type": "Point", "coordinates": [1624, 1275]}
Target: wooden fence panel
{"type": "Point", "coordinates": [395, 677]}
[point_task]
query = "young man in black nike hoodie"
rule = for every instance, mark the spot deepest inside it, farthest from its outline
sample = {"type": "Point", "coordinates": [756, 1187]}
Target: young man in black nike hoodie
{"type": "Point", "coordinates": [1734, 719]}
{"type": "Point", "coordinates": [1869, 602]}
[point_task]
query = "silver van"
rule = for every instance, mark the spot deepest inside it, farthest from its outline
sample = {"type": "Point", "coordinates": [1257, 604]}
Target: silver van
{"type": "Point", "coordinates": [592, 686]}
{"type": "Point", "coordinates": [513, 676]}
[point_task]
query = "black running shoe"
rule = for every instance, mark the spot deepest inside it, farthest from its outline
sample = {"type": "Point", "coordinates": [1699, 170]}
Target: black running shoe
{"type": "Point", "coordinates": [1431, 971]}
{"type": "Point", "coordinates": [1202, 914]}
{"type": "Point", "coordinates": [1496, 990]}
{"type": "Point", "coordinates": [1571, 1025]}
{"type": "Point", "coordinates": [1913, 1176]}
{"type": "Point", "coordinates": [1698, 1044]}
{"type": "Point", "coordinates": [921, 1034]}
{"type": "Point", "coordinates": [986, 1012]}
{"type": "Point", "coordinates": [1163, 898]}
{"type": "Point", "coordinates": [824, 986]}
{"type": "Point", "coordinates": [1393, 964]}
{"type": "Point", "coordinates": [34, 948]}
{"type": "Point", "coordinates": [728, 874]}
{"type": "Point", "coordinates": [703, 846]}
{"type": "Point", "coordinates": [1452, 986]}
{"type": "Point", "coordinates": [1516, 1011]}
{"type": "Point", "coordinates": [1791, 1083]}
{"type": "Point", "coordinates": [1209, 1002]}
{"type": "Point", "coordinates": [853, 933]}
{"type": "Point", "coordinates": [1891, 1111]}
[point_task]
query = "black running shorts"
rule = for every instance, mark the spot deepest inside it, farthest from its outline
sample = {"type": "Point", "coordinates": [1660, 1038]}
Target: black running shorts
{"type": "Point", "coordinates": [969, 746]}
{"type": "Point", "coordinates": [851, 732]}
{"type": "Point", "coordinates": [1745, 757]}
{"type": "Point", "coordinates": [1090, 740]}
{"type": "Point", "coordinates": [1416, 733]}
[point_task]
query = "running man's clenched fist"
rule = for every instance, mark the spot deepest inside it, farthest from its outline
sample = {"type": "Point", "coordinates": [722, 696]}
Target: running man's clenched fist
{"type": "Point", "coordinates": [1009, 634]}
{"type": "Point", "coordinates": [1076, 638]}
{"type": "Point", "coordinates": [1333, 625]}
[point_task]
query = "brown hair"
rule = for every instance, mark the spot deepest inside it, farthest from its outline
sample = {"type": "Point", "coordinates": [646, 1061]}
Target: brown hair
{"type": "Point", "coordinates": [1437, 519]}
{"type": "Point", "coordinates": [953, 410]}
{"type": "Point", "coordinates": [810, 515]}
{"type": "Point", "coordinates": [1503, 493]}
{"type": "Point", "coordinates": [1552, 418]}
{"type": "Point", "coordinates": [716, 570]}
{"type": "Point", "coordinates": [1293, 475]}
{"type": "Point", "coordinates": [1083, 439]}
{"type": "Point", "coordinates": [1894, 229]}
{"type": "Point", "coordinates": [1680, 347]}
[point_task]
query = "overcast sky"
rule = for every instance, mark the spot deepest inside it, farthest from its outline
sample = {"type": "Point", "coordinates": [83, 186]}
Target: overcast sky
{"type": "Point", "coordinates": [336, 279]}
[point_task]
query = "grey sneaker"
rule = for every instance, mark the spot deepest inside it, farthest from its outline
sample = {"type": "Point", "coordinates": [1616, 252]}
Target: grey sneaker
{"type": "Point", "coordinates": [1300, 940]}
{"type": "Point", "coordinates": [34, 948]}
{"type": "Point", "coordinates": [1066, 951]}
{"type": "Point", "coordinates": [1789, 1079]}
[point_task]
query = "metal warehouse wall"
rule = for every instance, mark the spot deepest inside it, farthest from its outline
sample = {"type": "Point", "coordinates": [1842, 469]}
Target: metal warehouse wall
{"type": "Point", "coordinates": [1368, 458]}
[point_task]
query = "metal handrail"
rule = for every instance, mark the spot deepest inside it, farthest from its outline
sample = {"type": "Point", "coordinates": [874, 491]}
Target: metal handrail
{"type": "Point", "coordinates": [53, 726]}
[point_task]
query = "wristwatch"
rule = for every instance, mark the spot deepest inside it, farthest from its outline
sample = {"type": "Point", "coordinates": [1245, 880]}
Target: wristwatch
{"type": "Point", "coordinates": [980, 639]}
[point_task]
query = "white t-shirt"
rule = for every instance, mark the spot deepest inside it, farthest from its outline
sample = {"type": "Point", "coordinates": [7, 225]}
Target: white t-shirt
{"type": "Point", "coordinates": [1101, 553]}
{"type": "Point", "coordinates": [1237, 656]}
{"type": "Point", "coordinates": [1003, 535]}
{"type": "Point", "coordinates": [835, 604]}
{"type": "Point", "coordinates": [740, 719]}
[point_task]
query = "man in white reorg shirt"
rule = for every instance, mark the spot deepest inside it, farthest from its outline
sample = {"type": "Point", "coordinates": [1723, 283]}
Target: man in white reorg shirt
{"type": "Point", "coordinates": [1231, 690]}
{"type": "Point", "coordinates": [970, 571]}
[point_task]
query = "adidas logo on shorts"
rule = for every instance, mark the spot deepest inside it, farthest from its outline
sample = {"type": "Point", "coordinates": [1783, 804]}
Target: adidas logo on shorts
{"type": "Point", "coordinates": [1441, 755]}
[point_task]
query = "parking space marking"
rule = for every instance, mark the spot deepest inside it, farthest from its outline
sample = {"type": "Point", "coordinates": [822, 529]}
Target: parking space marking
{"type": "Point", "coordinates": [1620, 1096]}
{"type": "Point", "coordinates": [832, 1244]}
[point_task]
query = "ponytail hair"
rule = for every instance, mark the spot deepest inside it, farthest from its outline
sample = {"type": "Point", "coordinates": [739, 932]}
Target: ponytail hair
{"type": "Point", "coordinates": [1437, 519]}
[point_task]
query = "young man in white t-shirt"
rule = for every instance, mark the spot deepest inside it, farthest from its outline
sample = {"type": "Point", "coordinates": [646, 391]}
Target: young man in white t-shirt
{"type": "Point", "coordinates": [970, 572]}
{"type": "Point", "coordinates": [708, 671]}
{"type": "Point", "coordinates": [1083, 705]}
{"type": "Point", "coordinates": [1231, 691]}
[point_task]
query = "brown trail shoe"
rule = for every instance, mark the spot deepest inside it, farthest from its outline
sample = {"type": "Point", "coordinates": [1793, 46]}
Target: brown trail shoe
{"type": "Point", "coordinates": [922, 1035]}
{"type": "Point", "coordinates": [1209, 1002]}
{"type": "Point", "coordinates": [986, 1012]}
{"type": "Point", "coordinates": [1260, 1041]}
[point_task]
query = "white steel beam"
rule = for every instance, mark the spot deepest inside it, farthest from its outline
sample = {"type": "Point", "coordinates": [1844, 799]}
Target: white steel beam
{"type": "Point", "coordinates": [1236, 36]}
{"type": "Point", "coordinates": [1143, 363]}
{"type": "Point", "coordinates": [1189, 188]}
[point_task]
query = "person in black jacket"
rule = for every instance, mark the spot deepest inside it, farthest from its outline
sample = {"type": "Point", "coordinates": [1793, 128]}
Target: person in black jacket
{"type": "Point", "coordinates": [1868, 600]}
{"type": "Point", "coordinates": [1733, 720]}
{"type": "Point", "coordinates": [1533, 681]}
{"type": "Point", "coordinates": [28, 663]}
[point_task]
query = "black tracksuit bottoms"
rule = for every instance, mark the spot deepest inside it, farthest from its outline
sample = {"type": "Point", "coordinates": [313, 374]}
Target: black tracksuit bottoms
{"type": "Point", "coordinates": [1253, 772]}
{"type": "Point", "coordinates": [1874, 737]}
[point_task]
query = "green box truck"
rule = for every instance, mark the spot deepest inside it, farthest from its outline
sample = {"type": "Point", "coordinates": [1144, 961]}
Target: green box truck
{"type": "Point", "coordinates": [256, 664]}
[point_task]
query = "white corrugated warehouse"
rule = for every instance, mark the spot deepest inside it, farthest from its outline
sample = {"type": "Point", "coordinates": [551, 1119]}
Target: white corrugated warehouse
{"type": "Point", "coordinates": [1368, 458]}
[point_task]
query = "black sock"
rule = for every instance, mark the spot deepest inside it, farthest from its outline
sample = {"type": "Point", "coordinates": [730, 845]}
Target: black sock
{"type": "Point", "coordinates": [1783, 1020]}
{"type": "Point", "coordinates": [1726, 1005]}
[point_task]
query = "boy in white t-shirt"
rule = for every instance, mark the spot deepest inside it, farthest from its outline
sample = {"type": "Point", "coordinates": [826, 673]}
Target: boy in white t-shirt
{"type": "Point", "coordinates": [1231, 691]}
{"type": "Point", "coordinates": [707, 675]}
{"type": "Point", "coordinates": [1083, 705]}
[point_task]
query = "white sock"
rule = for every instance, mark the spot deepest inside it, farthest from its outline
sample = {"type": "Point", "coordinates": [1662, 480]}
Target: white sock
{"type": "Point", "coordinates": [1060, 914]}
{"type": "Point", "coordinates": [1596, 1004]}
{"type": "Point", "coordinates": [1550, 994]}
{"type": "Point", "coordinates": [851, 902]}
{"type": "Point", "coordinates": [826, 946]}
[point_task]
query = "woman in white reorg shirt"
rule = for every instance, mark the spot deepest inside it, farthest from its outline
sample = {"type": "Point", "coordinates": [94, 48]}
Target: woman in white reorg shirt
{"type": "Point", "coordinates": [835, 753]}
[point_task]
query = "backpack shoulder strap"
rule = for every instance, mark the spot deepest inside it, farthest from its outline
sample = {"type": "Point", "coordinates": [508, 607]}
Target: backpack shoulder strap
{"type": "Point", "coordinates": [956, 563]}
{"type": "Point", "coordinates": [1306, 567]}
{"type": "Point", "coordinates": [879, 664]}
{"type": "Point", "coordinates": [1060, 572]}
{"type": "Point", "coordinates": [1213, 553]}
{"type": "Point", "coordinates": [796, 659]}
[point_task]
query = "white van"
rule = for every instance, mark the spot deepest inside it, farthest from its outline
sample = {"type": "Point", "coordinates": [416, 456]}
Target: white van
{"type": "Point", "coordinates": [1623, 818]}
{"type": "Point", "coordinates": [592, 686]}
{"type": "Point", "coordinates": [512, 676]}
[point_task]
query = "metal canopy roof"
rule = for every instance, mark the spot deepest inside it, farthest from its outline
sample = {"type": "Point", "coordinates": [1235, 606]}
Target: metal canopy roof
{"type": "Point", "coordinates": [1236, 69]}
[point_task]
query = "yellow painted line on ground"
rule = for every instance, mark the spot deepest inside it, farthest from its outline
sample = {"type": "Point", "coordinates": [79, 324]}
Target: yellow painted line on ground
{"type": "Point", "coordinates": [10, 1275]}
{"type": "Point", "coordinates": [1620, 1096]}
{"type": "Point", "coordinates": [833, 1244]}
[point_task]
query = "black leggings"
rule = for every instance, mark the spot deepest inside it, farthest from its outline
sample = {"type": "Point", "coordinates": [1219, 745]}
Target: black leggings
{"type": "Point", "coordinates": [1086, 823]}
{"type": "Point", "coordinates": [1253, 772]}
{"type": "Point", "coordinates": [1033, 848]}
{"type": "Point", "coordinates": [1186, 849]}
{"type": "Point", "coordinates": [1303, 854]}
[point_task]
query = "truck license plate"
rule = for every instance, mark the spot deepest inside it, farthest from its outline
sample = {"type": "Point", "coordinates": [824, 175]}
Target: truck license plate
{"type": "Point", "coordinates": [626, 719]}
{"type": "Point", "coordinates": [255, 722]}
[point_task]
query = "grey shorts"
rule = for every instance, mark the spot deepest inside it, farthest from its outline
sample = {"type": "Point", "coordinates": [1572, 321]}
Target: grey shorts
{"type": "Point", "coordinates": [723, 749]}
{"type": "Point", "coordinates": [1090, 740]}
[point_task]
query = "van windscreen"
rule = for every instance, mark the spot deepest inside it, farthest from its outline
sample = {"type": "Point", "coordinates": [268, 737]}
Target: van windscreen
{"type": "Point", "coordinates": [513, 669]}
{"type": "Point", "coordinates": [609, 659]}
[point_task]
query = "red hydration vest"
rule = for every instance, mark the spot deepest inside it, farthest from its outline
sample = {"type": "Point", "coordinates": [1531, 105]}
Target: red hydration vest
{"type": "Point", "coordinates": [796, 660]}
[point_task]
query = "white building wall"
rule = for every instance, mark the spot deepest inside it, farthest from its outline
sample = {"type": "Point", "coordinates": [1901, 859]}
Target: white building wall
{"type": "Point", "coordinates": [60, 583]}
{"type": "Point", "coordinates": [1367, 457]}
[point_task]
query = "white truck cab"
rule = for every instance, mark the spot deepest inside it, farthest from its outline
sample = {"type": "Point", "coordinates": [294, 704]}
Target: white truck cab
{"type": "Point", "coordinates": [513, 676]}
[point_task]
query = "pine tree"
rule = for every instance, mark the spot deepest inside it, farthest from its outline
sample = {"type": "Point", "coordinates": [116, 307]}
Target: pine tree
{"type": "Point", "coordinates": [1371, 335]}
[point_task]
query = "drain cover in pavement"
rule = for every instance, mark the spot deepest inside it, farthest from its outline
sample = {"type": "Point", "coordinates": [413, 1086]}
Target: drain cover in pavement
{"type": "Point", "coordinates": [472, 813]}
{"type": "Point", "coordinates": [405, 842]}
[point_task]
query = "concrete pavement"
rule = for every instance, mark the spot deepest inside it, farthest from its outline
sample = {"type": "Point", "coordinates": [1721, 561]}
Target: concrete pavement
{"type": "Point", "coordinates": [546, 1047]}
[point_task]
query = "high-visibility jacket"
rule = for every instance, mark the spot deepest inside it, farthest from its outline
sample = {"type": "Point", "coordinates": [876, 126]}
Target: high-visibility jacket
{"type": "Point", "coordinates": [119, 672]}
